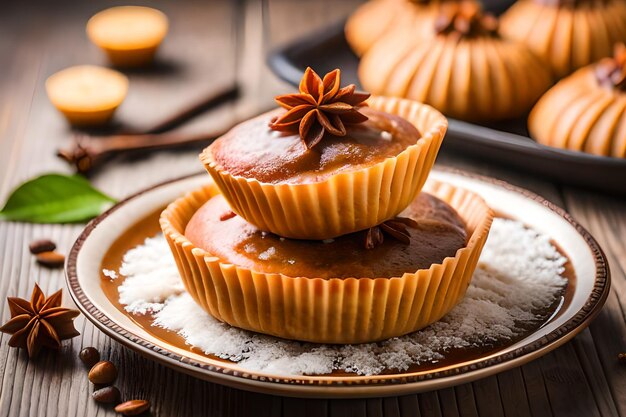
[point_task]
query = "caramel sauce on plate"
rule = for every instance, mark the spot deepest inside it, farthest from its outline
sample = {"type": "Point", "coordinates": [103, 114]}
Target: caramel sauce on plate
{"type": "Point", "coordinates": [149, 227]}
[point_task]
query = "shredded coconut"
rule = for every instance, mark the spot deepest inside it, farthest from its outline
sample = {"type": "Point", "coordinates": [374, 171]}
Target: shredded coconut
{"type": "Point", "coordinates": [519, 274]}
{"type": "Point", "coordinates": [151, 277]}
{"type": "Point", "coordinates": [267, 254]}
{"type": "Point", "coordinates": [109, 273]}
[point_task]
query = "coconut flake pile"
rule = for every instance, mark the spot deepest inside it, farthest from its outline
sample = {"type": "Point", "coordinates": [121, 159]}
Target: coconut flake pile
{"type": "Point", "coordinates": [519, 274]}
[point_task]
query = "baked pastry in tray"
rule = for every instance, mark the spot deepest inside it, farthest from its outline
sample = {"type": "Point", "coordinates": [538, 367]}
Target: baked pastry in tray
{"type": "Point", "coordinates": [466, 70]}
{"type": "Point", "coordinates": [243, 279]}
{"type": "Point", "coordinates": [586, 111]}
{"type": "Point", "coordinates": [377, 18]}
{"type": "Point", "coordinates": [327, 164]}
{"type": "Point", "coordinates": [568, 34]}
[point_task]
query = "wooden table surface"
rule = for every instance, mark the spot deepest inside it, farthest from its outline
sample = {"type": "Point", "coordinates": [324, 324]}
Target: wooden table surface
{"type": "Point", "coordinates": [582, 378]}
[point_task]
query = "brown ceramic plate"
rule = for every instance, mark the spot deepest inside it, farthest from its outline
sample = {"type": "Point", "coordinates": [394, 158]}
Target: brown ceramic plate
{"type": "Point", "coordinates": [505, 143]}
{"type": "Point", "coordinates": [587, 297]}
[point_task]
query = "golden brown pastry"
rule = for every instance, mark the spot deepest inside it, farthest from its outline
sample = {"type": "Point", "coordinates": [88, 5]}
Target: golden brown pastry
{"type": "Point", "coordinates": [586, 111]}
{"type": "Point", "coordinates": [87, 95]}
{"type": "Point", "coordinates": [569, 34]}
{"type": "Point", "coordinates": [467, 70]}
{"type": "Point", "coordinates": [129, 35]}
{"type": "Point", "coordinates": [377, 18]}
{"type": "Point", "coordinates": [326, 165]}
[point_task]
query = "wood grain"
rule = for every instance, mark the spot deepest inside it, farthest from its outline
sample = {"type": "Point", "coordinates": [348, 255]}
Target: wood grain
{"type": "Point", "coordinates": [581, 378]}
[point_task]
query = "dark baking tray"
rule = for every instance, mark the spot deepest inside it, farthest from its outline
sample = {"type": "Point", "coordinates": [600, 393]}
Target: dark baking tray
{"type": "Point", "coordinates": [506, 143]}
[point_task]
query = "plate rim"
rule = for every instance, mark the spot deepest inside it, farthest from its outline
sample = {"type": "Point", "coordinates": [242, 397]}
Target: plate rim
{"type": "Point", "coordinates": [323, 387]}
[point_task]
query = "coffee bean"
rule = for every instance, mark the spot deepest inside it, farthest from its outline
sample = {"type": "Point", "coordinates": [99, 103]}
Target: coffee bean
{"type": "Point", "coordinates": [103, 372]}
{"type": "Point", "coordinates": [133, 407]}
{"type": "Point", "coordinates": [41, 245]}
{"type": "Point", "coordinates": [90, 356]}
{"type": "Point", "coordinates": [50, 259]}
{"type": "Point", "coordinates": [108, 395]}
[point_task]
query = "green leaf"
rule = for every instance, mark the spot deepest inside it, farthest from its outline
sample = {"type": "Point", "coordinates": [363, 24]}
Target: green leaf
{"type": "Point", "coordinates": [55, 198]}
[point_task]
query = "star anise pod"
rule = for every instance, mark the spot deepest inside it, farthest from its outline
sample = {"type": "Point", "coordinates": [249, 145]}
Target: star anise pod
{"type": "Point", "coordinates": [612, 73]}
{"type": "Point", "coordinates": [395, 228]}
{"type": "Point", "coordinates": [320, 107]}
{"type": "Point", "coordinates": [40, 322]}
{"type": "Point", "coordinates": [465, 19]}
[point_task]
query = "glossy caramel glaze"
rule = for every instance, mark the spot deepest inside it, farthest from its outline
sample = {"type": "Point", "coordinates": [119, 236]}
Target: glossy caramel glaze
{"type": "Point", "coordinates": [439, 234]}
{"type": "Point", "coordinates": [253, 150]}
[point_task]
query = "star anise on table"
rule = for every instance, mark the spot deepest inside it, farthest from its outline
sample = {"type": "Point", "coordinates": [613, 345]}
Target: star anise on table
{"type": "Point", "coordinates": [320, 107]}
{"type": "Point", "coordinates": [40, 322]}
{"type": "Point", "coordinates": [395, 228]}
{"type": "Point", "coordinates": [612, 72]}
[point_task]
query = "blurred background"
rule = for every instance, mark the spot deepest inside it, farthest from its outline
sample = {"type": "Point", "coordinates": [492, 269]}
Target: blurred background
{"type": "Point", "coordinates": [212, 45]}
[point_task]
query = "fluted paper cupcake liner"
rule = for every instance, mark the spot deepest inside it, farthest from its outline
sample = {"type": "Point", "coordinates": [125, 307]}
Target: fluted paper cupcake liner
{"type": "Point", "coordinates": [350, 310]}
{"type": "Point", "coordinates": [346, 202]}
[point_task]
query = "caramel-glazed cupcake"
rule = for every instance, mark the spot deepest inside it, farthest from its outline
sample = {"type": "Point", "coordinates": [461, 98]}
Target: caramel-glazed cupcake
{"type": "Point", "coordinates": [383, 282]}
{"type": "Point", "coordinates": [377, 18]}
{"type": "Point", "coordinates": [326, 164]}
{"type": "Point", "coordinates": [315, 228]}
{"type": "Point", "coordinates": [467, 70]}
{"type": "Point", "coordinates": [587, 110]}
{"type": "Point", "coordinates": [568, 34]}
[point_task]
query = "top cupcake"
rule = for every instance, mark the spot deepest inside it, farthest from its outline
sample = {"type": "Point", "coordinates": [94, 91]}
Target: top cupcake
{"type": "Point", "coordinates": [276, 157]}
{"type": "Point", "coordinates": [326, 164]}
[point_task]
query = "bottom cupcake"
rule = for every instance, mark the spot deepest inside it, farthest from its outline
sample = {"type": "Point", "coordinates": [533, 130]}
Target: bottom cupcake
{"type": "Point", "coordinates": [371, 285]}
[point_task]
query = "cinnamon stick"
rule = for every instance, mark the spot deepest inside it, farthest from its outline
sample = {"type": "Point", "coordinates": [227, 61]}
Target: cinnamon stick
{"type": "Point", "coordinates": [90, 152]}
{"type": "Point", "coordinates": [194, 109]}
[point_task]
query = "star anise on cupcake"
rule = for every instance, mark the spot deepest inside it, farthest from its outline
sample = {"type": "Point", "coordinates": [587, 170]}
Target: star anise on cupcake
{"type": "Point", "coordinates": [40, 322]}
{"type": "Point", "coordinates": [395, 228]}
{"type": "Point", "coordinates": [320, 107]}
